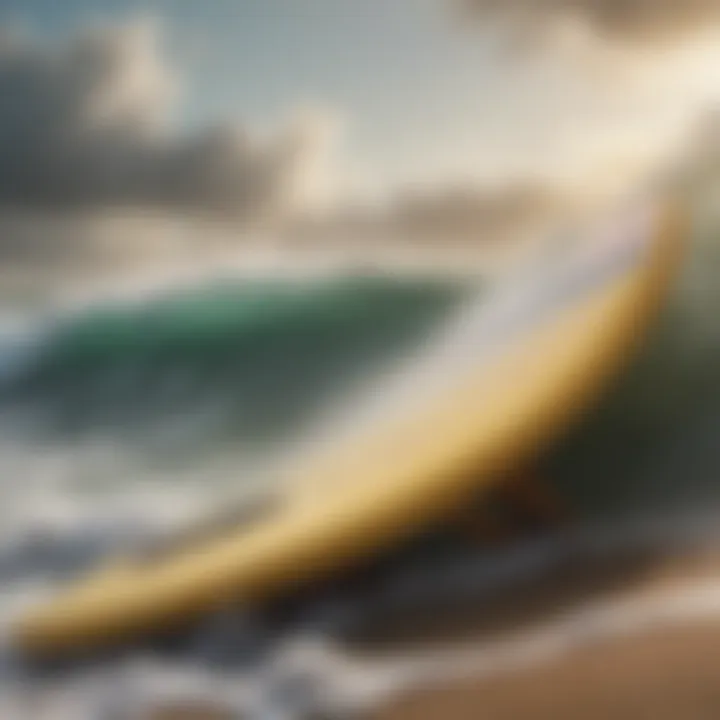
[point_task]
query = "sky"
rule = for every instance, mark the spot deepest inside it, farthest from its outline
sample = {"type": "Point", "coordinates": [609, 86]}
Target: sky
{"type": "Point", "coordinates": [408, 93]}
{"type": "Point", "coordinates": [451, 114]}
{"type": "Point", "coordinates": [418, 95]}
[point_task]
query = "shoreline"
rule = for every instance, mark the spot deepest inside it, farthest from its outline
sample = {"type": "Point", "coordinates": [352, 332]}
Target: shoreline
{"type": "Point", "coordinates": [650, 649]}
{"type": "Point", "coordinates": [665, 670]}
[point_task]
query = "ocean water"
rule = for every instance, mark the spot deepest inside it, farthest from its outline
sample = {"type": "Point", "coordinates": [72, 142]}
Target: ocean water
{"type": "Point", "coordinates": [122, 417]}
{"type": "Point", "coordinates": [147, 408]}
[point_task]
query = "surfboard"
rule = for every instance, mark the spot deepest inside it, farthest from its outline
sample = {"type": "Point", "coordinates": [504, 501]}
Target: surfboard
{"type": "Point", "coordinates": [501, 383]}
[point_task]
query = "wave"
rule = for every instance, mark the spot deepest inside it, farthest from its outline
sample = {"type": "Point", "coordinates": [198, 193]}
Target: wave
{"type": "Point", "coordinates": [254, 358]}
{"type": "Point", "coordinates": [164, 402]}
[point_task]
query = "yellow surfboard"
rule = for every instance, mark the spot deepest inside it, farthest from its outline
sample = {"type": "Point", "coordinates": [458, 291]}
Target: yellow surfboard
{"type": "Point", "coordinates": [513, 373]}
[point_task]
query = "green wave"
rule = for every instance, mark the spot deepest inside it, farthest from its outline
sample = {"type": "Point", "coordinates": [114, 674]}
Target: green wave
{"type": "Point", "coordinates": [257, 357]}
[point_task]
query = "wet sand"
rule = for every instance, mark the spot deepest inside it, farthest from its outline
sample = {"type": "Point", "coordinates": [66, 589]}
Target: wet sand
{"type": "Point", "coordinates": [668, 673]}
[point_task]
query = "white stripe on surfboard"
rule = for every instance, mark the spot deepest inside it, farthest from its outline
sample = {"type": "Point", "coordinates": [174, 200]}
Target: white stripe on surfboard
{"type": "Point", "coordinates": [485, 327]}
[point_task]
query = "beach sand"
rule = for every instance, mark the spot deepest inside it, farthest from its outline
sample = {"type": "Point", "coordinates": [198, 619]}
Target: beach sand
{"type": "Point", "coordinates": [665, 673]}
{"type": "Point", "coordinates": [669, 674]}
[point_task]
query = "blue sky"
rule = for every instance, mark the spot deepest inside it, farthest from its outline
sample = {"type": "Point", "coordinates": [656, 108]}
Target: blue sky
{"type": "Point", "coordinates": [408, 85]}
{"type": "Point", "coordinates": [420, 99]}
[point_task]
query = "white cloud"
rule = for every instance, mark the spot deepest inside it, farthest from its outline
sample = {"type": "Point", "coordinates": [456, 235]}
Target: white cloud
{"type": "Point", "coordinates": [604, 91]}
{"type": "Point", "coordinates": [88, 125]}
{"type": "Point", "coordinates": [86, 133]}
{"type": "Point", "coordinates": [623, 20]}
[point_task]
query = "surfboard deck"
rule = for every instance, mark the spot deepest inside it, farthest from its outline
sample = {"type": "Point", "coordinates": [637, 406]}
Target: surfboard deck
{"type": "Point", "coordinates": [532, 361]}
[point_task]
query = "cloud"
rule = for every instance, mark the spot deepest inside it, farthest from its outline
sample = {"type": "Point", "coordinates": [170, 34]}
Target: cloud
{"type": "Point", "coordinates": [603, 88]}
{"type": "Point", "coordinates": [87, 124]}
{"type": "Point", "coordinates": [699, 168]}
{"type": "Point", "coordinates": [469, 213]}
{"type": "Point", "coordinates": [625, 20]}
{"type": "Point", "coordinates": [93, 172]}
{"type": "Point", "coordinates": [445, 216]}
